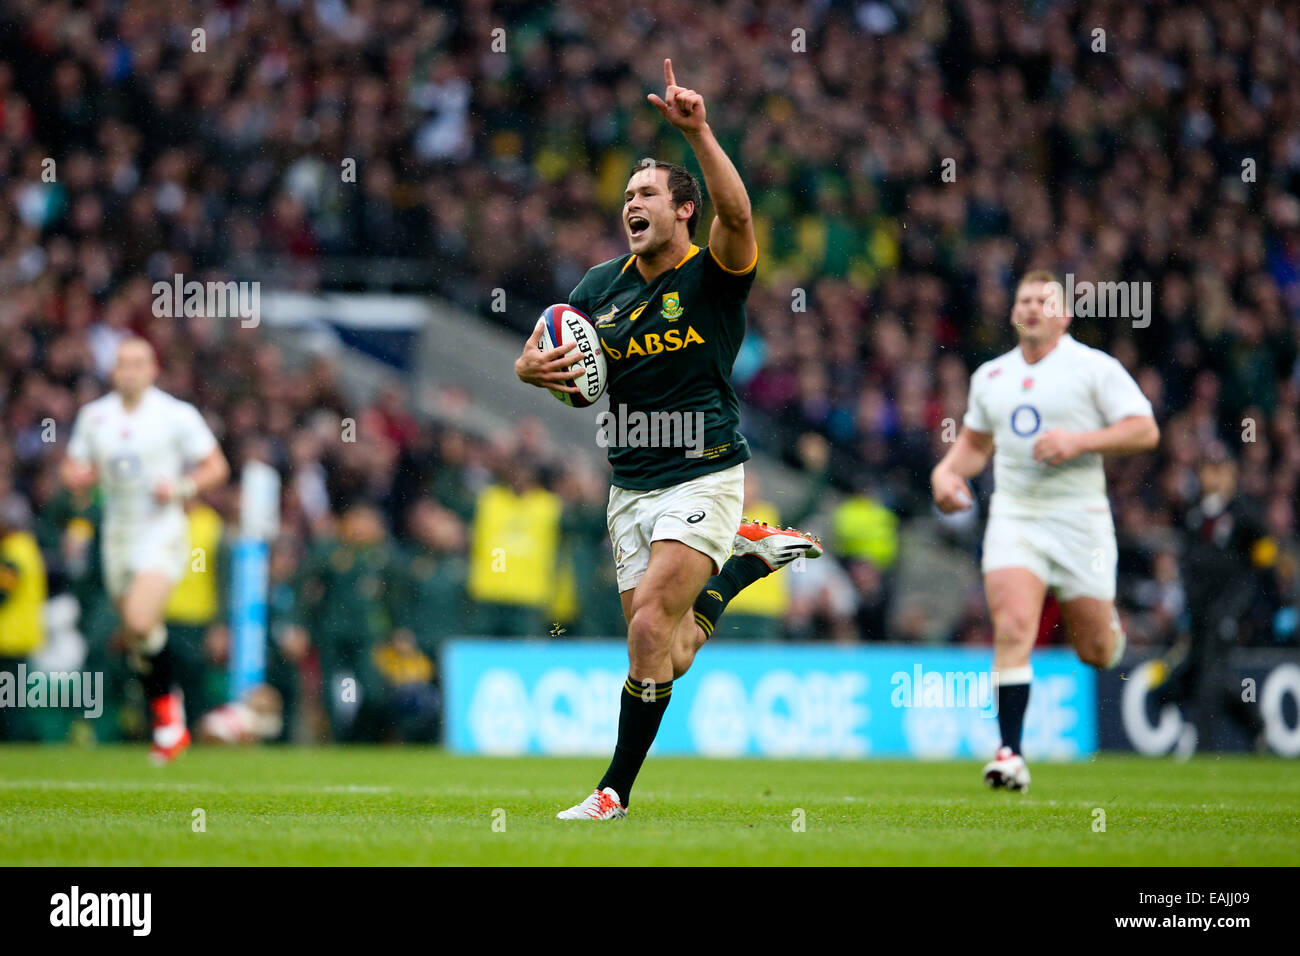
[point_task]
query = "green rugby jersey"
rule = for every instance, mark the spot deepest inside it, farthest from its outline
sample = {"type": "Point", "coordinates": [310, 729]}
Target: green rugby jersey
{"type": "Point", "coordinates": [669, 345]}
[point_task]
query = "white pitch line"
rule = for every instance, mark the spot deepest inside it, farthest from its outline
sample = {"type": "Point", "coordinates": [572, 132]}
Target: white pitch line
{"type": "Point", "coordinates": [172, 785]}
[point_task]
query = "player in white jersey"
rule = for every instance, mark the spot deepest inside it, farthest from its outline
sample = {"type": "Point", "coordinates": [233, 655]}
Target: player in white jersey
{"type": "Point", "coordinates": [140, 443]}
{"type": "Point", "coordinates": [1046, 412]}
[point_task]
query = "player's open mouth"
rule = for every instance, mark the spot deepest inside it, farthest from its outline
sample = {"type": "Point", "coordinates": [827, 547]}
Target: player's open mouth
{"type": "Point", "coordinates": [637, 226]}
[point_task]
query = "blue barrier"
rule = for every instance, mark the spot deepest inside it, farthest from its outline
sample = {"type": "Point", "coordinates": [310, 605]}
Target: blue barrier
{"type": "Point", "coordinates": [805, 701]}
{"type": "Point", "coordinates": [249, 575]}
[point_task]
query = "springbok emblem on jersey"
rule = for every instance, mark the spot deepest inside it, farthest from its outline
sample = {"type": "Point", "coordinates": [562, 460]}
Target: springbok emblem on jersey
{"type": "Point", "coordinates": [672, 307]}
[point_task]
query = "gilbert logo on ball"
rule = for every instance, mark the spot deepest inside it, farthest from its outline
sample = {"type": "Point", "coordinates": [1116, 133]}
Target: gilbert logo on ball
{"type": "Point", "coordinates": [562, 324]}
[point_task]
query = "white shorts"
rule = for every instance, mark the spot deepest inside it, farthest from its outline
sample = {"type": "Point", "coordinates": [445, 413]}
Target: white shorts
{"type": "Point", "coordinates": [1073, 553]}
{"type": "Point", "coordinates": [162, 546]}
{"type": "Point", "coordinates": [702, 513]}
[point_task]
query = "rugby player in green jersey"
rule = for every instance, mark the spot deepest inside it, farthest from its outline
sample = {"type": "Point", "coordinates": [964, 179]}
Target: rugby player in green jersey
{"type": "Point", "coordinates": [671, 317]}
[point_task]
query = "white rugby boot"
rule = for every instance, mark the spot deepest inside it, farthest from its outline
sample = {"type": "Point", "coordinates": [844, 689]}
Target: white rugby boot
{"type": "Point", "coordinates": [1007, 769]}
{"type": "Point", "coordinates": [601, 805]}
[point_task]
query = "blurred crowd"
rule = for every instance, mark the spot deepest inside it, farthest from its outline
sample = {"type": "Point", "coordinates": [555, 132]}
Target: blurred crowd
{"type": "Point", "coordinates": [906, 162]}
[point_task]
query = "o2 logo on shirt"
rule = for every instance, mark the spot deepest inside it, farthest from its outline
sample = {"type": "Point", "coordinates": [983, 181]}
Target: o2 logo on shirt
{"type": "Point", "coordinates": [124, 468]}
{"type": "Point", "coordinates": [1025, 420]}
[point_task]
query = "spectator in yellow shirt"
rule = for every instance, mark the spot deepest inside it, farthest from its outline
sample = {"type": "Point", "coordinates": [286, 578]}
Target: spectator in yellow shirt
{"type": "Point", "coordinates": [22, 603]}
{"type": "Point", "coordinates": [194, 607]}
{"type": "Point", "coordinates": [514, 542]}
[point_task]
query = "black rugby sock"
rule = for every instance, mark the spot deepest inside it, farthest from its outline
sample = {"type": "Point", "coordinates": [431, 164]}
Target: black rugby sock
{"type": "Point", "coordinates": [157, 679]}
{"type": "Point", "coordinates": [1013, 700]}
{"type": "Point", "coordinates": [641, 709]}
{"type": "Point", "coordinates": [738, 573]}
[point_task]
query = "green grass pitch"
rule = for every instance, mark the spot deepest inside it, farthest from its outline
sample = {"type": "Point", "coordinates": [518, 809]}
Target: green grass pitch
{"type": "Point", "coordinates": [107, 806]}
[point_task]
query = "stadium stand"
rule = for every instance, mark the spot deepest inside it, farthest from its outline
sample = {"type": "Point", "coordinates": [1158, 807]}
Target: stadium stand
{"type": "Point", "coordinates": [478, 172]}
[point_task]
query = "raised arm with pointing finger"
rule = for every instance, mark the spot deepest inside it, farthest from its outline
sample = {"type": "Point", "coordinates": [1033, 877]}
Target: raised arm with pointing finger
{"type": "Point", "coordinates": [731, 237]}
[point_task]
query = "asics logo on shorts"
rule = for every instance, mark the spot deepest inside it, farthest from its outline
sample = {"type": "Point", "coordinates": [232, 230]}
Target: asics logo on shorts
{"type": "Point", "coordinates": [695, 518]}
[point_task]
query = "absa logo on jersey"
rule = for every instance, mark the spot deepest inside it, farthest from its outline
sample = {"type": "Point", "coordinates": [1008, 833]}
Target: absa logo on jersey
{"type": "Point", "coordinates": [652, 343]}
{"type": "Point", "coordinates": [1025, 420]}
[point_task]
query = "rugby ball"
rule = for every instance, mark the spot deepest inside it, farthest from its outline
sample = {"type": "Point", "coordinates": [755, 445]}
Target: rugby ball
{"type": "Point", "coordinates": [562, 324]}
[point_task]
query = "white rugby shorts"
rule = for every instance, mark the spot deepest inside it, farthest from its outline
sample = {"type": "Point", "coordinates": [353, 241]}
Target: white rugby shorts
{"type": "Point", "coordinates": [162, 546]}
{"type": "Point", "coordinates": [703, 513]}
{"type": "Point", "coordinates": [1072, 552]}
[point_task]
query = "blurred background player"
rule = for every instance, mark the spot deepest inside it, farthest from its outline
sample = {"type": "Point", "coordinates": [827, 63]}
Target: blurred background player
{"type": "Point", "coordinates": [351, 601]}
{"type": "Point", "coordinates": [1225, 544]}
{"type": "Point", "coordinates": [673, 515]}
{"type": "Point", "coordinates": [138, 442]}
{"type": "Point", "coordinates": [1046, 412]}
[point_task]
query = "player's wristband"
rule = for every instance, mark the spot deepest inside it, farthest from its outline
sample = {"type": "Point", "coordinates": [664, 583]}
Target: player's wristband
{"type": "Point", "coordinates": [186, 489]}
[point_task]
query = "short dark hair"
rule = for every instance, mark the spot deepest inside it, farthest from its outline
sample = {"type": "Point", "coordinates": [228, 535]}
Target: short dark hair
{"type": "Point", "coordinates": [682, 186]}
